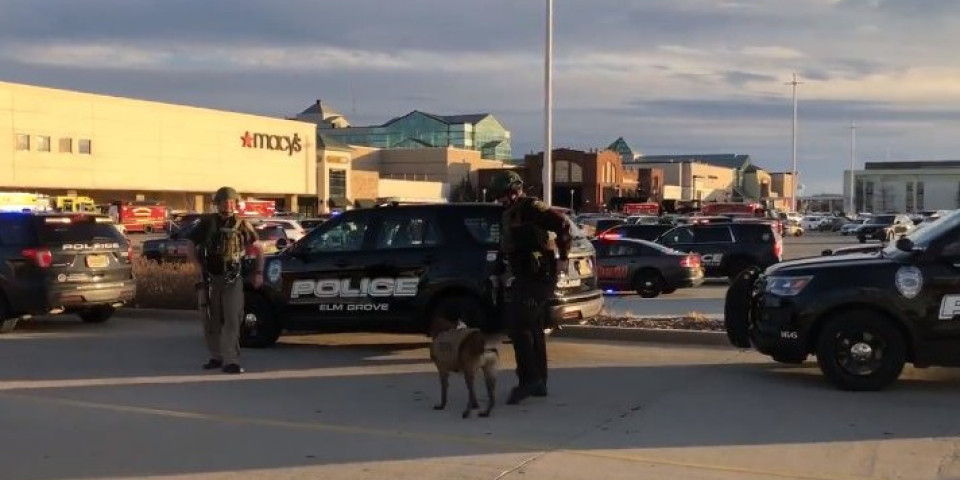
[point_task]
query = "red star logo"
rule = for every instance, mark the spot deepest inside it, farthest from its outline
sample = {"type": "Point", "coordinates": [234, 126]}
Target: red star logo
{"type": "Point", "coordinates": [247, 140]}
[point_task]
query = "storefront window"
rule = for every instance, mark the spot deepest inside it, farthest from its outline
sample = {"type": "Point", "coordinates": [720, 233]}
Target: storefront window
{"type": "Point", "coordinates": [338, 183]}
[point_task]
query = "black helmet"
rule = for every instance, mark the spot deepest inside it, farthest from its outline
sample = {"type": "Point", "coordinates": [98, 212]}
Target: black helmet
{"type": "Point", "coordinates": [226, 193]}
{"type": "Point", "coordinates": [504, 182]}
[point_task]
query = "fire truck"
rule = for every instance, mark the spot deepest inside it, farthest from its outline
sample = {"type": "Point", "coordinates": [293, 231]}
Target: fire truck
{"type": "Point", "coordinates": [644, 208]}
{"type": "Point", "coordinates": [74, 204]}
{"type": "Point", "coordinates": [139, 216]}
{"type": "Point", "coordinates": [252, 207]}
{"type": "Point", "coordinates": [24, 202]}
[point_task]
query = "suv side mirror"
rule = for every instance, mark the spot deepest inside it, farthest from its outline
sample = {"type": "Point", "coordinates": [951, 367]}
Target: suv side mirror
{"type": "Point", "coordinates": [906, 245]}
{"type": "Point", "coordinates": [282, 243]}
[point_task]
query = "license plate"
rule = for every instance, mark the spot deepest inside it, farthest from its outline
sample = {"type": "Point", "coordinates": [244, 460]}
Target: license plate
{"type": "Point", "coordinates": [569, 283]}
{"type": "Point", "coordinates": [583, 268]}
{"type": "Point", "coordinates": [97, 261]}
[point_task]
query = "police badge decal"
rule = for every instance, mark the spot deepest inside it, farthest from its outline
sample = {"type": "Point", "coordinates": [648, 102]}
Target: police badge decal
{"type": "Point", "coordinates": [909, 281]}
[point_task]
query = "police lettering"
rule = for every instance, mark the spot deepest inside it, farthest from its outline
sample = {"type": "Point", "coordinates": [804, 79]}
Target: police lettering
{"type": "Point", "coordinates": [342, 288]}
{"type": "Point", "coordinates": [89, 246]}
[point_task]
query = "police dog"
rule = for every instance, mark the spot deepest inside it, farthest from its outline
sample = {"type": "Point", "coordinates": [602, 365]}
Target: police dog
{"type": "Point", "coordinates": [456, 348]}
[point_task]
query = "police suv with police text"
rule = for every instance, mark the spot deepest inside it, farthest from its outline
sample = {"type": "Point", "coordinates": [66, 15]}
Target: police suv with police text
{"type": "Point", "coordinates": [62, 263]}
{"type": "Point", "coordinates": [395, 267]}
{"type": "Point", "coordinates": [862, 314]}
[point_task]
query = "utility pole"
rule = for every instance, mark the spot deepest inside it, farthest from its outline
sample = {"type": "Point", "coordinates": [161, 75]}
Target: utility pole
{"type": "Point", "coordinates": [853, 166]}
{"type": "Point", "coordinates": [793, 172]}
{"type": "Point", "coordinates": [548, 111]}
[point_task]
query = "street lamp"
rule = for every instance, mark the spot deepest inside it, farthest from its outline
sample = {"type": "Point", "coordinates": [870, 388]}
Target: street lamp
{"type": "Point", "coordinates": [571, 199]}
{"type": "Point", "coordinates": [484, 194]}
{"type": "Point", "coordinates": [793, 173]}
{"type": "Point", "coordinates": [853, 163]}
{"type": "Point", "coordinates": [548, 110]}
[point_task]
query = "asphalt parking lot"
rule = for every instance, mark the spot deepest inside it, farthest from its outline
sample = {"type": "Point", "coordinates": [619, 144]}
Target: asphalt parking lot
{"type": "Point", "coordinates": [127, 399]}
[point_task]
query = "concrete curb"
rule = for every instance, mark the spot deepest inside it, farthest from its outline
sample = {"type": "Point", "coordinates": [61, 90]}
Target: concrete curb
{"type": "Point", "coordinates": [684, 337]}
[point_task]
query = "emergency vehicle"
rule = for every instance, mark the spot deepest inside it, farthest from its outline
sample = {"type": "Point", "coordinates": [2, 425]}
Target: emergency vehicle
{"type": "Point", "coordinates": [139, 216]}
{"type": "Point", "coordinates": [257, 208]}
{"type": "Point", "coordinates": [24, 202]}
{"type": "Point", "coordinates": [74, 204]}
{"type": "Point", "coordinates": [645, 208]}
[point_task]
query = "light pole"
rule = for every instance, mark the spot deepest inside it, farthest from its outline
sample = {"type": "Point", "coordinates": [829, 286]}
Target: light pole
{"type": "Point", "coordinates": [571, 199]}
{"type": "Point", "coordinates": [548, 111]}
{"type": "Point", "coordinates": [793, 172]}
{"type": "Point", "coordinates": [484, 194]}
{"type": "Point", "coordinates": [853, 163]}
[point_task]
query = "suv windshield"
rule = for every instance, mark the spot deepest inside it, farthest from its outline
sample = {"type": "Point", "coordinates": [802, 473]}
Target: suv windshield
{"type": "Point", "coordinates": [53, 230]}
{"type": "Point", "coordinates": [883, 220]}
{"type": "Point", "coordinates": [922, 237]}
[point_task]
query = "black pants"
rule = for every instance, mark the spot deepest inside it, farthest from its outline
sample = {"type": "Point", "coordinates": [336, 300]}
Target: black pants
{"type": "Point", "coordinates": [527, 312]}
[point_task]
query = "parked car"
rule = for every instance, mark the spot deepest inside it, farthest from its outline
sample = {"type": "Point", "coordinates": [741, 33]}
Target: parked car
{"type": "Point", "coordinates": [643, 220]}
{"type": "Point", "coordinates": [293, 228]}
{"type": "Point", "coordinates": [832, 224]}
{"type": "Point", "coordinates": [727, 249]}
{"type": "Point", "coordinates": [852, 228]}
{"type": "Point", "coordinates": [395, 267]}
{"type": "Point", "coordinates": [792, 228]}
{"type": "Point", "coordinates": [811, 223]}
{"type": "Point", "coordinates": [593, 226]}
{"type": "Point", "coordinates": [172, 249]}
{"type": "Point", "coordinates": [62, 263]}
{"type": "Point", "coordinates": [645, 267]}
{"type": "Point", "coordinates": [638, 232]}
{"type": "Point", "coordinates": [309, 224]}
{"type": "Point", "coordinates": [884, 228]}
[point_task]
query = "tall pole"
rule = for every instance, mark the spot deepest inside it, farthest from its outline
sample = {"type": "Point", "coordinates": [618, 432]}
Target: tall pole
{"type": "Point", "coordinates": [793, 172]}
{"type": "Point", "coordinates": [853, 166]}
{"type": "Point", "coordinates": [548, 111]}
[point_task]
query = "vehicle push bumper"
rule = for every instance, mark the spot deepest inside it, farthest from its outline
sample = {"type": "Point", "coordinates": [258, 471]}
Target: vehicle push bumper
{"type": "Point", "coordinates": [79, 296]}
{"type": "Point", "coordinates": [763, 322]}
{"type": "Point", "coordinates": [572, 309]}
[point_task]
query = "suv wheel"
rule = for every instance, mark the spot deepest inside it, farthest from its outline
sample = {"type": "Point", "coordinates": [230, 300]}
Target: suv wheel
{"type": "Point", "coordinates": [7, 324]}
{"type": "Point", "coordinates": [97, 314]}
{"type": "Point", "coordinates": [861, 351]}
{"type": "Point", "coordinates": [737, 267]}
{"type": "Point", "coordinates": [648, 284]}
{"type": "Point", "coordinates": [260, 327]}
{"type": "Point", "coordinates": [459, 307]}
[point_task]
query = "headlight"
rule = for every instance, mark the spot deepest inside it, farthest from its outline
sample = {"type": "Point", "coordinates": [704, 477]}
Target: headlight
{"type": "Point", "coordinates": [786, 286]}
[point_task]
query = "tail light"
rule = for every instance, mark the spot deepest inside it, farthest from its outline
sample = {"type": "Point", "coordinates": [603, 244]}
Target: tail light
{"type": "Point", "coordinates": [128, 255]}
{"type": "Point", "coordinates": [609, 236]}
{"type": "Point", "coordinates": [41, 257]}
{"type": "Point", "coordinates": [690, 261]}
{"type": "Point", "coordinates": [778, 247]}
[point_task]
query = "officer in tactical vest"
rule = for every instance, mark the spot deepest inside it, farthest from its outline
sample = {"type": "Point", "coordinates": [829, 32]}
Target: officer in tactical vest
{"type": "Point", "coordinates": [221, 242]}
{"type": "Point", "coordinates": [525, 245]}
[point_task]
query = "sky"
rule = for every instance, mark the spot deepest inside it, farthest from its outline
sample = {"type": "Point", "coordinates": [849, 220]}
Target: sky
{"type": "Point", "coordinates": [670, 76]}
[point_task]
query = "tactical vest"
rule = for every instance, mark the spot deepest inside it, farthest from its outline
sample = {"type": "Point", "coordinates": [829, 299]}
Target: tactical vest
{"type": "Point", "coordinates": [445, 350]}
{"type": "Point", "coordinates": [225, 248]}
{"type": "Point", "coordinates": [526, 244]}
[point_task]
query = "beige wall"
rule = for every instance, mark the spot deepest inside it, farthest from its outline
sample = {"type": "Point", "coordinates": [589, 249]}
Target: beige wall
{"type": "Point", "coordinates": [713, 183]}
{"type": "Point", "coordinates": [364, 185]}
{"type": "Point", "coordinates": [414, 190]}
{"type": "Point", "coordinates": [149, 146]}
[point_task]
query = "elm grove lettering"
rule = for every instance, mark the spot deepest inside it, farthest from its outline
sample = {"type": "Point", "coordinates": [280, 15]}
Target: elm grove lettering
{"type": "Point", "coordinates": [368, 287]}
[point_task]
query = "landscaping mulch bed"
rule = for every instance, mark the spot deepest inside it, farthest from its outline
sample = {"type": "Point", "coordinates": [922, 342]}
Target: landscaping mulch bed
{"type": "Point", "coordinates": [692, 321]}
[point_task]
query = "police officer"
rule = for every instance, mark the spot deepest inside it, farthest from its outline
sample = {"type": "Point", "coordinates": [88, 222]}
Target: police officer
{"type": "Point", "coordinates": [221, 241]}
{"type": "Point", "coordinates": [524, 244]}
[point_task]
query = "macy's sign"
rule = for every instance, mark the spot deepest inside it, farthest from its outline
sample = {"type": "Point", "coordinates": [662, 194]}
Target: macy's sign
{"type": "Point", "coordinates": [290, 145]}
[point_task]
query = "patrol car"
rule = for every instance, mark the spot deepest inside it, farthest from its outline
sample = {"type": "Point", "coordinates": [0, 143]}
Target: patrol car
{"type": "Point", "coordinates": [726, 249]}
{"type": "Point", "coordinates": [62, 263]}
{"type": "Point", "coordinates": [645, 267]}
{"type": "Point", "coordinates": [863, 315]}
{"type": "Point", "coordinates": [395, 267]}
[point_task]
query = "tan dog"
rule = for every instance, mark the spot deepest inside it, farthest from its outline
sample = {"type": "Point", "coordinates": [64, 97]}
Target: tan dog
{"type": "Point", "coordinates": [456, 348]}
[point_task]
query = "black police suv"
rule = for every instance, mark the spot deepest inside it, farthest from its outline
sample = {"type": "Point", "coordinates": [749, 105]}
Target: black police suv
{"type": "Point", "coordinates": [645, 267]}
{"type": "Point", "coordinates": [55, 263]}
{"type": "Point", "coordinates": [884, 228]}
{"type": "Point", "coordinates": [397, 266]}
{"type": "Point", "coordinates": [862, 315]}
{"type": "Point", "coordinates": [727, 249]}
